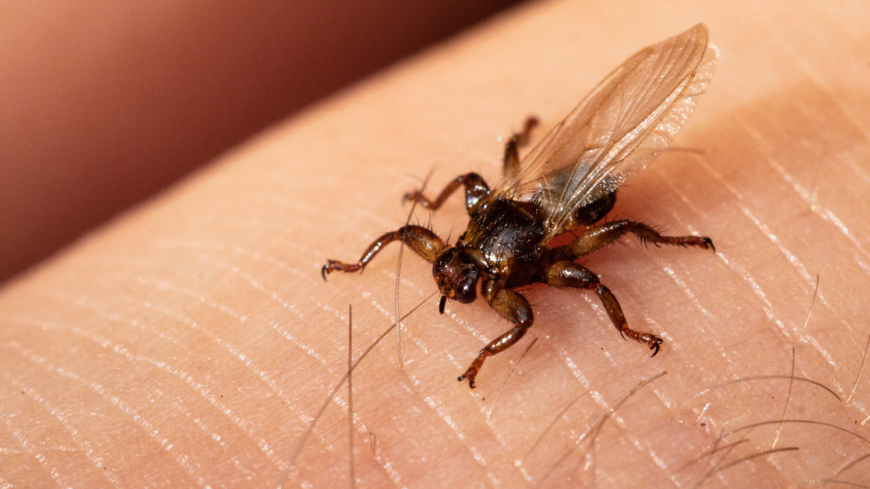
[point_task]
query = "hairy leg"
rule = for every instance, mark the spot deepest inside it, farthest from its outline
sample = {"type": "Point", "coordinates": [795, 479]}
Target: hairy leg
{"type": "Point", "coordinates": [604, 234]}
{"type": "Point", "coordinates": [511, 160]}
{"type": "Point", "coordinates": [475, 186]}
{"type": "Point", "coordinates": [565, 274]}
{"type": "Point", "coordinates": [515, 308]}
{"type": "Point", "coordinates": [423, 241]}
{"type": "Point", "coordinates": [475, 189]}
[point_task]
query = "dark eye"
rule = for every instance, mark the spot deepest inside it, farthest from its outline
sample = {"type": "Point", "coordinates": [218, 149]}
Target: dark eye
{"type": "Point", "coordinates": [467, 291]}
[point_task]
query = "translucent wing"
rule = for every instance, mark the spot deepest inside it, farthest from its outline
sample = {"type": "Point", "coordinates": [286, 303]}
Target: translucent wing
{"type": "Point", "coordinates": [627, 120]}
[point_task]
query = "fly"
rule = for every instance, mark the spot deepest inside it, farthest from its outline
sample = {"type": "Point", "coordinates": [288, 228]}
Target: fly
{"type": "Point", "coordinates": [568, 181]}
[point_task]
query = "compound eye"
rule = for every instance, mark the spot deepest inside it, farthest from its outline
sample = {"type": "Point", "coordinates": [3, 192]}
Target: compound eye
{"type": "Point", "coordinates": [466, 293]}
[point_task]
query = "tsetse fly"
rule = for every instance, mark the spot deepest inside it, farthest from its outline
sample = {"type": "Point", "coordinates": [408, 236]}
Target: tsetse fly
{"type": "Point", "coordinates": [567, 182]}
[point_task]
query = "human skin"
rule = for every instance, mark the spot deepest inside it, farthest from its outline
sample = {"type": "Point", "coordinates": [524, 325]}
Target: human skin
{"type": "Point", "coordinates": [104, 104]}
{"type": "Point", "coordinates": [192, 342]}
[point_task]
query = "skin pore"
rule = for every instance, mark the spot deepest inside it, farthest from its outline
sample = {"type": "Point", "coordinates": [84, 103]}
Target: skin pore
{"type": "Point", "coordinates": [191, 342]}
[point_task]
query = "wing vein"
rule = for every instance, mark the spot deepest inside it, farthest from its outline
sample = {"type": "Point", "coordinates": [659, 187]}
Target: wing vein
{"type": "Point", "coordinates": [619, 128]}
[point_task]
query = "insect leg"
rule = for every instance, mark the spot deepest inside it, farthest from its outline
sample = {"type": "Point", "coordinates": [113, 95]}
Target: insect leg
{"type": "Point", "coordinates": [511, 306]}
{"type": "Point", "coordinates": [602, 235]}
{"type": "Point", "coordinates": [475, 189]}
{"type": "Point", "coordinates": [511, 160]}
{"type": "Point", "coordinates": [423, 241]}
{"type": "Point", "coordinates": [568, 274]}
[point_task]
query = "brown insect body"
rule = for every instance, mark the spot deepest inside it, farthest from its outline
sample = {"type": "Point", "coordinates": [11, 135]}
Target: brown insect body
{"type": "Point", "coordinates": [567, 182]}
{"type": "Point", "coordinates": [509, 237]}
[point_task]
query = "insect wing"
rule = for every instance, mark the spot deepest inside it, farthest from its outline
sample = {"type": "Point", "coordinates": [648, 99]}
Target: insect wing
{"type": "Point", "coordinates": [626, 122]}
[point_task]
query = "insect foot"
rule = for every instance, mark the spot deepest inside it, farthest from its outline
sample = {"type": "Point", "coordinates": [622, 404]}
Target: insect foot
{"type": "Point", "coordinates": [335, 265]}
{"type": "Point", "coordinates": [653, 341]}
{"type": "Point", "coordinates": [472, 371]}
{"type": "Point", "coordinates": [415, 196]}
{"type": "Point", "coordinates": [708, 244]}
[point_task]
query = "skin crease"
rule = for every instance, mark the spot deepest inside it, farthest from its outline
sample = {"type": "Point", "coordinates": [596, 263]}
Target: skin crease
{"type": "Point", "coordinates": [190, 343]}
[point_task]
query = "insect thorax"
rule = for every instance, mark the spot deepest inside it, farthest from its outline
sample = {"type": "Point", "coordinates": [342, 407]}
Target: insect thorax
{"type": "Point", "coordinates": [506, 233]}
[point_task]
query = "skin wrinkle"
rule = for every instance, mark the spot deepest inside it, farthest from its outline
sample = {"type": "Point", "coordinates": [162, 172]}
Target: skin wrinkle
{"type": "Point", "coordinates": [565, 356]}
{"type": "Point", "coordinates": [180, 374]}
{"type": "Point", "coordinates": [759, 292]}
{"type": "Point", "coordinates": [87, 304]}
{"type": "Point", "coordinates": [219, 246]}
{"type": "Point", "coordinates": [821, 212]}
{"type": "Point", "coordinates": [277, 462]}
{"type": "Point", "coordinates": [26, 448]}
{"type": "Point", "coordinates": [143, 424]}
{"type": "Point", "coordinates": [767, 232]}
{"type": "Point", "coordinates": [798, 266]}
{"type": "Point", "coordinates": [436, 406]}
{"type": "Point", "coordinates": [386, 313]}
{"type": "Point", "coordinates": [506, 379]}
{"type": "Point", "coordinates": [398, 282]}
{"type": "Point", "coordinates": [790, 256]}
{"type": "Point", "coordinates": [814, 207]}
{"type": "Point", "coordinates": [445, 417]}
{"type": "Point", "coordinates": [84, 447]}
{"type": "Point", "coordinates": [238, 353]}
{"type": "Point", "coordinates": [272, 295]}
{"type": "Point", "coordinates": [184, 376]}
{"type": "Point", "coordinates": [646, 451]}
{"type": "Point", "coordinates": [440, 410]}
{"type": "Point", "coordinates": [384, 463]}
{"type": "Point", "coordinates": [723, 467]}
{"type": "Point", "coordinates": [810, 309]}
{"type": "Point", "coordinates": [596, 426]}
{"type": "Point", "coordinates": [550, 426]}
{"type": "Point", "coordinates": [394, 476]}
{"type": "Point", "coordinates": [822, 84]}
{"type": "Point", "coordinates": [733, 265]}
{"type": "Point", "coordinates": [720, 180]}
{"type": "Point", "coordinates": [757, 289]}
{"type": "Point", "coordinates": [202, 426]}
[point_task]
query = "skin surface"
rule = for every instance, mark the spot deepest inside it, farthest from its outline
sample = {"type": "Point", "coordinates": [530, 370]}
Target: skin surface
{"type": "Point", "coordinates": [106, 104]}
{"type": "Point", "coordinates": [190, 343]}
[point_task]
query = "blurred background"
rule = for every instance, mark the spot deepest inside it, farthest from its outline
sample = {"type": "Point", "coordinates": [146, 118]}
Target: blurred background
{"type": "Point", "coordinates": [103, 104]}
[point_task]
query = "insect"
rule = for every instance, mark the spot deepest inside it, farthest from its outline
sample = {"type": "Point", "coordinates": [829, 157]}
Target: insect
{"type": "Point", "coordinates": [567, 182]}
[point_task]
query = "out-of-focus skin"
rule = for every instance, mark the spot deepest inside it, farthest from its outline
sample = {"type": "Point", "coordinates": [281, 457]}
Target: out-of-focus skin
{"type": "Point", "coordinates": [191, 343]}
{"type": "Point", "coordinates": [105, 104]}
